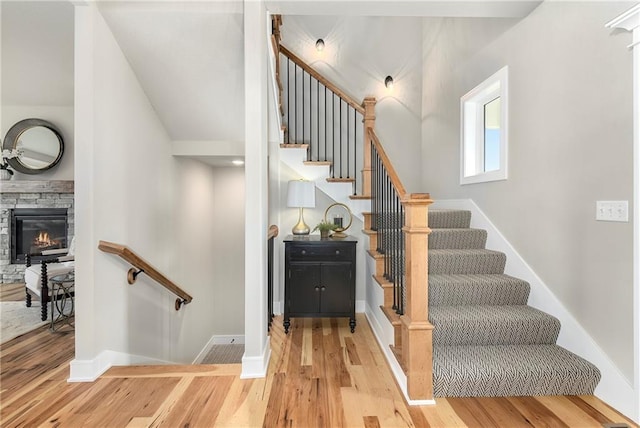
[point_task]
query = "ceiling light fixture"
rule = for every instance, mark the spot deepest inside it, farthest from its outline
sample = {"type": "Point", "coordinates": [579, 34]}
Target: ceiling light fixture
{"type": "Point", "coordinates": [320, 45]}
{"type": "Point", "coordinates": [388, 82]}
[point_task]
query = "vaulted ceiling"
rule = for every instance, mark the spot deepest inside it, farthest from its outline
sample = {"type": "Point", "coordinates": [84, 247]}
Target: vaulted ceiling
{"type": "Point", "coordinates": [189, 59]}
{"type": "Point", "coordinates": [187, 55]}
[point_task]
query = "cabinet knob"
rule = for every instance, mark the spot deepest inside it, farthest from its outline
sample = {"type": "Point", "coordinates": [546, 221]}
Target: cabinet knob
{"type": "Point", "coordinates": [323, 288]}
{"type": "Point", "coordinates": [303, 252]}
{"type": "Point", "coordinates": [337, 251]}
{"type": "Point", "coordinates": [316, 288]}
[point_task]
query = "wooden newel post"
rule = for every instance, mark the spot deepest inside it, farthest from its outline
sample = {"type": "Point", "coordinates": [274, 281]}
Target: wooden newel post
{"type": "Point", "coordinates": [416, 328]}
{"type": "Point", "coordinates": [369, 121]}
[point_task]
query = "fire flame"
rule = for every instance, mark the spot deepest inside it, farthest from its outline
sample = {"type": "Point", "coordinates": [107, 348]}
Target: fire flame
{"type": "Point", "coordinates": [43, 239]}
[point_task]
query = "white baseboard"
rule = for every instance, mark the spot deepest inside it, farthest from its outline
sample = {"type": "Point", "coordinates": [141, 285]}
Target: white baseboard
{"type": "Point", "coordinates": [217, 340]}
{"type": "Point", "coordinates": [394, 365]}
{"type": "Point", "coordinates": [90, 370]}
{"type": "Point", "coordinates": [614, 388]}
{"type": "Point", "coordinates": [256, 367]}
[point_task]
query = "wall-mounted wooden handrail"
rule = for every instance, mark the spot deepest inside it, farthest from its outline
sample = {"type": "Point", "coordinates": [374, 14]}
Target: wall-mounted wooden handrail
{"type": "Point", "coordinates": [272, 232]}
{"type": "Point", "coordinates": [393, 175]}
{"type": "Point", "coordinates": [141, 266]}
{"type": "Point", "coordinates": [320, 78]}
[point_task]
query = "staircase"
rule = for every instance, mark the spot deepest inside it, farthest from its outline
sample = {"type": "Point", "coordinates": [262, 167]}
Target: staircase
{"type": "Point", "coordinates": [475, 336]}
{"type": "Point", "coordinates": [486, 340]}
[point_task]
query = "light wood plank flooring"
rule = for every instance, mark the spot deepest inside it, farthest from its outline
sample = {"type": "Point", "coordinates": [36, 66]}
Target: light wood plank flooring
{"type": "Point", "coordinates": [320, 375]}
{"type": "Point", "coordinates": [12, 292]}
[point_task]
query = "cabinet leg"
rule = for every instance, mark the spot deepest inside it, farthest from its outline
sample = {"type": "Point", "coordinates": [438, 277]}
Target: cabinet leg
{"type": "Point", "coordinates": [352, 324]}
{"type": "Point", "coordinates": [286, 324]}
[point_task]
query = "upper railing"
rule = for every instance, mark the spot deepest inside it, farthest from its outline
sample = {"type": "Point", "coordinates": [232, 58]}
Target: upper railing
{"type": "Point", "coordinates": [142, 266]}
{"type": "Point", "coordinates": [400, 222]}
{"type": "Point", "coordinates": [387, 193]}
{"type": "Point", "coordinates": [324, 117]}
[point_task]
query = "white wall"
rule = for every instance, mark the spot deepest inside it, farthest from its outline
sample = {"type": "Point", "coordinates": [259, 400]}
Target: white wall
{"type": "Point", "coordinates": [131, 190]}
{"type": "Point", "coordinates": [359, 53]}
{"type": "Point", "coordinates": [210, 219]}
{"type": "Point", "coordinates": [37, 73]}
{"type": "Point", "coordinates": [569, 145]}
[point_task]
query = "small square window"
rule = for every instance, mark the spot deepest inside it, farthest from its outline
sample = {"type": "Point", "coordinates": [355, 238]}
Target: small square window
{"type": "Point", "coordinates": [483, 151]}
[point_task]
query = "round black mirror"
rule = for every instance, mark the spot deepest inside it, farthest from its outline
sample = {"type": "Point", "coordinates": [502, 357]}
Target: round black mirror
{"type": "Point", "coordinates": [39, 144]}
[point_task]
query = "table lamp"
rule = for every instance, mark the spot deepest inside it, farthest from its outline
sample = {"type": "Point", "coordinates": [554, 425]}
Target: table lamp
{"type": "Point", "coordinates": [301, 194]}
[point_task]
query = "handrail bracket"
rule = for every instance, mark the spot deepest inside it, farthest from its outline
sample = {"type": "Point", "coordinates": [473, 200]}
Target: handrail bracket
{"type": "Point", "coordinates": [179, 303]}
{"type": "Point", "coordinates": [132, 274]}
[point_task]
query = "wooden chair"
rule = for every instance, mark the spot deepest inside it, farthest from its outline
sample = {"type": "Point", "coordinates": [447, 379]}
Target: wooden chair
{"type": "Point", "coordinates": [36, 277]}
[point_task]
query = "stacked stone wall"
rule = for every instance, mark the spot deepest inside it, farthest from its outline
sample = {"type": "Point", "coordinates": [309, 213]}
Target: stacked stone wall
{"type": "Point", "coordinates": [13, 273]}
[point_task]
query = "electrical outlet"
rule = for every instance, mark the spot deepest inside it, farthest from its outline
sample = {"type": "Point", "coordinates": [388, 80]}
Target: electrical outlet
{"type": "Point", "coordinates": [612, 211]}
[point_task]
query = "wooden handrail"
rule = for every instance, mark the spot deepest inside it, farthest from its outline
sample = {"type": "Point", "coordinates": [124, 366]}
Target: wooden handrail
{"type": "Point", "coordinates": [272, 232]}
{"type": "Point", "coordinates": [306, 67]}
{"type": "Point", "coordinates": [393, 175]}
{"type": "Point", "coordinates": [143, 266]}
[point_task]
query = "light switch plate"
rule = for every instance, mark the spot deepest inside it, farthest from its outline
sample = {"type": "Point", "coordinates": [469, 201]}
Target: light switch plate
{"type": "Point", "coordinates": [612, 211]}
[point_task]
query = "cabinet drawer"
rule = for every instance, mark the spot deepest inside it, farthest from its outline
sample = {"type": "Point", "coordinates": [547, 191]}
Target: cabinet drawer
{"type": "Point", "coordinates": [320, 252]}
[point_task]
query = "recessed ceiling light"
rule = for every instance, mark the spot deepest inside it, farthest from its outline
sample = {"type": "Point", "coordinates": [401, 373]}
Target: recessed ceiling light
{"type": "Point", "coordinates": [237, 162]}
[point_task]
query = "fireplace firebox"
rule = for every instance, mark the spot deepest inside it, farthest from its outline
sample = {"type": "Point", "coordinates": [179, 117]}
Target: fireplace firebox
{"type": "Point", "coordinates": [34, 230]}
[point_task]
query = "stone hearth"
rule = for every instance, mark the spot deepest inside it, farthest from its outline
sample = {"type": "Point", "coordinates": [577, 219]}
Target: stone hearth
{"type": "Point", "coordinates": [29, 194]}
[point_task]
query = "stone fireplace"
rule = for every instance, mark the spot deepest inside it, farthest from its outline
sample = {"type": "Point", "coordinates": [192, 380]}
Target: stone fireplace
{"type": "Point", "coordinates": [35, 215]}
{"type": "Point", "coordinates": [34, 230]}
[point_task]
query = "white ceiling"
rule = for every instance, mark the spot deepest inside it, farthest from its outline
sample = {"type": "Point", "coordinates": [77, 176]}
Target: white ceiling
{"type": "Point", "coordinates": [416, 8]}
{"type": "Point", "coordinates": [189, 59]}
{"type": "Point", "coordinates": [187, 54]}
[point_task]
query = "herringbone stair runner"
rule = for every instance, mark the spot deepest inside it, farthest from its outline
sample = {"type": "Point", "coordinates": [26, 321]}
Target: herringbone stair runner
{"type": "Point", "coordinates": [486, 340]}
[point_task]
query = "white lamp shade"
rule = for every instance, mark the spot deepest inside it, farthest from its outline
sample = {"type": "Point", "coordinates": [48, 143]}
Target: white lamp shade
{"type": "Point", "coordinates": [301, 194]}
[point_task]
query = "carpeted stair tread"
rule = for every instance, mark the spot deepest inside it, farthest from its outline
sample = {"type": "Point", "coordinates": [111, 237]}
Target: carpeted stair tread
{"type": "Point", "coordinates": [492, 325]}
{"type": "Point", "coordinates": [449, 219]}
{"type": "Point", "coordinates": [457, 238]}
{"type": "Point", "coordinates": [466, 261]}
{"type": "Point", "coordinates": [483, 289]}
{"type": "Point", "coordinates": [511, 370]}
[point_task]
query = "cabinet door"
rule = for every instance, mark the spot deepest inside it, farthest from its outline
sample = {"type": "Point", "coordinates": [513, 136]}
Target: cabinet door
{"type": "Point", "coordinates": [304, 287]}
{"type": "Point", "coordinates": [336, 288]}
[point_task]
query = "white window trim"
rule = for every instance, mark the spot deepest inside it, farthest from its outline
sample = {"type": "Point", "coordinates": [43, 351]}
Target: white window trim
{"type": "Point", "coordinates": [472, 127]}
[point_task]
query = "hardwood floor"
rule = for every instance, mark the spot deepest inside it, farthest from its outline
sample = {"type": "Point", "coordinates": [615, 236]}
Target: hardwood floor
{"type": "Point", "coordinates": [12, 292]}
{"type": "Point", "coordinates": [320, 375]}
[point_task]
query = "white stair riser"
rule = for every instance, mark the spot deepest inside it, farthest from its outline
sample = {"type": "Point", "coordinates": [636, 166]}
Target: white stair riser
{"type": "Point", "coordinates": [294, 158]}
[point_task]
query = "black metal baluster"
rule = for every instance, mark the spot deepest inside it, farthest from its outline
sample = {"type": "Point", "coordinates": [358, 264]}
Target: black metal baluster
{"type": "Point", "coordinates": [288, 103]}
{"type": "Point", "coordinates": [310, 120]}
{"type": "Point", "coordinates": [340, 128]}
{"type": "Point", "coordinates": [333, 134]}
{"type": "Point", "coordinates": [348, 139]}
{"type": "Point", "coordinates": [355, 155]}
{"type": "Point", "coordinates": [377, 179]}
{"type": "Point", "coordinates": [318, 116]}
{"type": "Point", "coordinates": [270, 283]}
{"type": "Point", "coordinates": [396, 240]}
{"type": "Point", "coordinates": [302, 90]}
{"type": "Point", "coordinates": [295, 102]}
{"type": "Point", "coordinates": [325, 123]}
{"type": "Point", "coordinates": [385, 224]}
{"type": "Point", "coordinates": [404, 265]}
{"type": "Point", "coordinates": [374, 196]}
